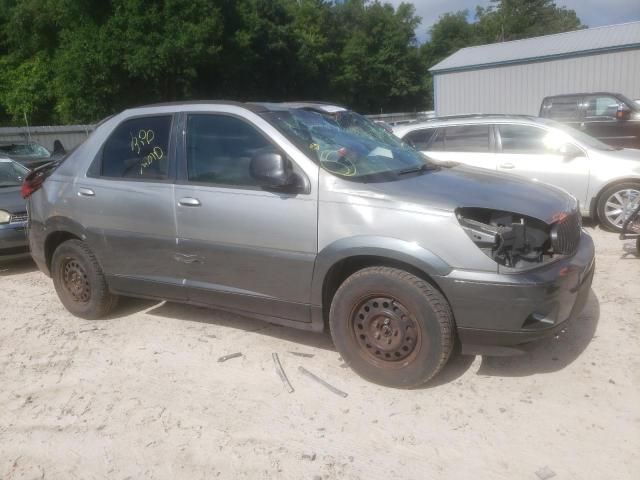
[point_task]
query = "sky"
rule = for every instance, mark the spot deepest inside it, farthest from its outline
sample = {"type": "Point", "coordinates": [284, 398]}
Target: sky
{"type": "Point", "coordinates": [592, 13]}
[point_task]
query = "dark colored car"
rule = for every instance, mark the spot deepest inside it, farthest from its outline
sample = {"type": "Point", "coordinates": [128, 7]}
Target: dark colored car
{"type": "Point", "coordinates": [311, 216]}
{"type": "Point", "coordinates": [13, 214]}
{"type": "Point", "coordinates": [610, 117]}
{"type": "Point", "coordinates": [30, 154]}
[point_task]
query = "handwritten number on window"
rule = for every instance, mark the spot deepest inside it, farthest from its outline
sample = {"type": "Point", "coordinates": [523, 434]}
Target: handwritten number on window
{"type": "Point", "coordinates": [142, 139]}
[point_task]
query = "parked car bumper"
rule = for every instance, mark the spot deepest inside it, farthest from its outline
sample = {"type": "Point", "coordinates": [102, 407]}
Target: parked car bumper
{"type": "Point", "coordinates": [13, 241]}
{"type": "Point", "coordinates": [500, 313]}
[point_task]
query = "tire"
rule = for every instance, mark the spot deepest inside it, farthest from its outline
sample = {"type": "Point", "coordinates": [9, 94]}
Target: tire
{"type": "Point", "coordinates": [368, 313]}
{"type": "Point", "coordinates": [79, 281]}
{"type": "Point", "coordinates": [611, 197]}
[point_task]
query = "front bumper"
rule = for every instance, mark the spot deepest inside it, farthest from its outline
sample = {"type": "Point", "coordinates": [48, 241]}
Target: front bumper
{"type": "Point", "coordinates": [499, 313]}
{"type": "Point", "coordinates": [13, 241]}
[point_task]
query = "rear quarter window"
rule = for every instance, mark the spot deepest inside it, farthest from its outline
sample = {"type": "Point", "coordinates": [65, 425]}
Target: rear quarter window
{"type": "Point", "coordinates": [420, 139]}
{"type": "Point", "coordinates": [138, 148]}
{"type": "Point", "coordinates": [561, 108]}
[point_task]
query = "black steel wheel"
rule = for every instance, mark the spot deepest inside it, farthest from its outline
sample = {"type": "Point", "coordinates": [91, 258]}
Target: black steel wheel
{"type": "Point", "coordinates": [75, 280]}
{"type": "Point", "coordinates": [385, 330]}
{"type": "Point", "coordinates": [391, 327]}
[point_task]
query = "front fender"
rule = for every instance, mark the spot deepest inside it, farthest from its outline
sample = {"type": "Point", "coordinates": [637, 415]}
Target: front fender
{"type": "Point", "coordinates": [386, 247]}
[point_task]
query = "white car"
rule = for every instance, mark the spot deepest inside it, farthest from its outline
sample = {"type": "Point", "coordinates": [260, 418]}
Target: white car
{"type": "Point", "coordinates": [605, 180]}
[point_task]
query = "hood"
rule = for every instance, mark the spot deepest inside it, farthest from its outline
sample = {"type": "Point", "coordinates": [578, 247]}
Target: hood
{"type": "Point", "coordinates": [461, 186]}
{"type": "Point", "coordinates": [11, 201]}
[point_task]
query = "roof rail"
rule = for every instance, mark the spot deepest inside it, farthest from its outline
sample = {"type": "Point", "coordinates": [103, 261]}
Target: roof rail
{"type": "Point", "coordinates": [478, 115]}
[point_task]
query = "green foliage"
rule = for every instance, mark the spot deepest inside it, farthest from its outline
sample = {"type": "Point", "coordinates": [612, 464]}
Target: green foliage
{"type": "Point", "coordinates": [67, 61]}
{"type": "Point", "coordinates": [503, 20]}
{"type": "Point", "coordinates": [506, 20]}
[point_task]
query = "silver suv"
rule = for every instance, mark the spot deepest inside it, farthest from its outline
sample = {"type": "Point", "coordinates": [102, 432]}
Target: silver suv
{"type": "Point", "coordinates": [605, 179]}
{"type": "Point", "coordinates": [309, 215]}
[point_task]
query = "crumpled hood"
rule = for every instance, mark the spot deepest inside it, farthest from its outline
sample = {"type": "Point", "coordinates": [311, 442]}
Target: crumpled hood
{"type": "Point", "coordinates": [11, 201]}
{"type": "Point", "coordinates": [462, 186]}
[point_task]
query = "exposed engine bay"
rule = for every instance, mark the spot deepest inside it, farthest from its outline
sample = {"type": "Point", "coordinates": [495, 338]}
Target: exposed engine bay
{"type": "Point", "coordinates": [511, 239]}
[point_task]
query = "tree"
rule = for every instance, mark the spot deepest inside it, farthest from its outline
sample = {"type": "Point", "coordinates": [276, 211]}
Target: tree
{"type": "Point", "coordinates": [515, 19]}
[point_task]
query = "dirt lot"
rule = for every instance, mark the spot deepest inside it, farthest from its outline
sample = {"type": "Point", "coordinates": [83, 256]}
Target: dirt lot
{"type": "Point", "coordinates": [141, 395]}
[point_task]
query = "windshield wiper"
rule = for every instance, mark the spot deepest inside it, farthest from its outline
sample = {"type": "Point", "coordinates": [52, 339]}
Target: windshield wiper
{"type": "Point", "coordinates": [418, 168]}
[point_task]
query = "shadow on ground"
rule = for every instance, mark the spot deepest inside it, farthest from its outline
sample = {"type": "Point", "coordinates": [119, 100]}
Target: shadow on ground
{"type": "Point", "coordinates": [17, 266]}
{"type": "Point", "coordinates": [548, 355]}
{"type": "Point", "coordinates": [217, 317]}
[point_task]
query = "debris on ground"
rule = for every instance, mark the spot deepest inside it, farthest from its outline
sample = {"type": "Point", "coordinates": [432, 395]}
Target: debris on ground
{"type": "Point", "coordinates": [229, 357]}
{"type": "Point", "coordinates": [306, 372]}
{"type": "Point", "coordinates": [545, 472]}
{"type": "Point", "coordinates": [301, 354]}
{"type": "Point", "coordinates": [280, 372]}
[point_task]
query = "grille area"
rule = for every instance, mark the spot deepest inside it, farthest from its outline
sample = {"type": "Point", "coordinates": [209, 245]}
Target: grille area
{"type": "Point", "coordinates": [565, 233]}
{"type": "Point", "coordinates": [19, 217]}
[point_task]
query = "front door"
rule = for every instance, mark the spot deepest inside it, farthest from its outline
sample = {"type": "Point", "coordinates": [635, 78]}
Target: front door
{"type": "Point", "coordinates": [600, 121]}
{"type": "Point", "coordinates": [245, 248]}
{"type": "Point", "coordinates": [535, 153]}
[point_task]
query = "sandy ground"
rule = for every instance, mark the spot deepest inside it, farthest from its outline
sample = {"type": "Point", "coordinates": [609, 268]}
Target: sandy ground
{"type": "Point", "coordinates": [141, 395]}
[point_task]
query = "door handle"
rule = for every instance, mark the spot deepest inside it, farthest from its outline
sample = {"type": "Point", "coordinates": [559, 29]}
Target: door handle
{"type": "Point", "coordinates": [507, 165]}
{"type": "Point", "coordinates": [86, 192]}
{"type": "Point", "coordinates": [189, 202]}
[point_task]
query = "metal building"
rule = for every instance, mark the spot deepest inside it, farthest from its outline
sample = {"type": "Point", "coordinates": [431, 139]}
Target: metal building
{"type": "Point", "coordinates": [514, 77]}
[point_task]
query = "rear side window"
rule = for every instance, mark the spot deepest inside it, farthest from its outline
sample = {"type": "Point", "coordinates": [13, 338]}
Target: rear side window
{"type": "Point", "coordinates": [420, 139]}
{"type": "Point", "coordinates": [602, 107]}
{"type": "Point", "coordinates": [138, 148]}
{"type": "Point", "coordinates": [220, 149]}
{"type": "Point", "coordinates": [522, 139]}
{"type": "Point", "coordinates": [561, 108]}
{"type": "Point", "coordinates": [464, 138]}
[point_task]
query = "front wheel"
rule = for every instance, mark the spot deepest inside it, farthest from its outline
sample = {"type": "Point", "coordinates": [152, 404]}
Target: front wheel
{"type": "Point", "coordinates": [79, 281]}
{"type": "Point", "coordinates": [391, 327]}
{"type": "Point", "coordinates": [616, 203]}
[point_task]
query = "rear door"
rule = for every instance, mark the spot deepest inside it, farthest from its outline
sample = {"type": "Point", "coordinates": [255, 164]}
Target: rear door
{"type": "Point", "coordinates": [535, 153]}
{"type": "Point", "coordinates": [126, 204]}
{"type": "Point", "coordinates": [468, 144]}
{"type": "Point", "coordinates": [245, 248]}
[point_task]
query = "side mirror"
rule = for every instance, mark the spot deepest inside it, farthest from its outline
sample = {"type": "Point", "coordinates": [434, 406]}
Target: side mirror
{"type": "Point", "coordinates": [570, 151]}
{"type": "Point", "coordinates": [623, 113]}
{"type": "Point", "coordinates": [272, 170]}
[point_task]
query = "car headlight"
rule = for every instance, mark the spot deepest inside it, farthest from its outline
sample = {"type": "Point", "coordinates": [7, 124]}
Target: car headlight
{"type": "Point", "coordinates": [510, 239]}
{"type": "Point", "coordinates": [4, 217]}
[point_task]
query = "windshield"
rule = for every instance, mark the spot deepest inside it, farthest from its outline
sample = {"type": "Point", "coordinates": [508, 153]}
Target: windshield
{"type": "Point", "coordinates": [348, 145]}
{"type": "Point", "coordinates": [25, 150]}
{"type": "Point", "coordinates": [586, 140]}
{"type": "Point", "coordinates": [11, 173]}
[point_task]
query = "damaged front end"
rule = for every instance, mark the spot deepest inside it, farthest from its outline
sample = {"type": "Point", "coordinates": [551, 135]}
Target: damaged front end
{"type": "Point", "coordinates": [519, 241]}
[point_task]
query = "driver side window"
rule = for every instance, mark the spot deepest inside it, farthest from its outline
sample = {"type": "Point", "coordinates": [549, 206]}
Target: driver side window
{"type": "Point", "coordinates": [523, 139]}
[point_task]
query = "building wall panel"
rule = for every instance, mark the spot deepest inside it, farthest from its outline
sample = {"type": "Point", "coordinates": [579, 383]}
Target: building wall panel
{"type": "Point", "coordinates": [519, 89]}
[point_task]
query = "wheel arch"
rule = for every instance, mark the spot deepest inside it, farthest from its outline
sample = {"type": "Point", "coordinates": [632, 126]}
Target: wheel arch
{"type": "Point", "coordinates": [59, 230]}
{"type": "Point", "coordinates": [339, 260]}
{"type": "Point", "coordinates": [593, 207]}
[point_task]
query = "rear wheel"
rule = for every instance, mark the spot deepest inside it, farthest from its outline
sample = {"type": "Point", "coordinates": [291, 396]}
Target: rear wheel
{"type": "Point", "coordinates": [391, 327]}
{"type": "Point", "coordinates": [616, 203]}
{"type": "Point", "coordinates": [79, 281]}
